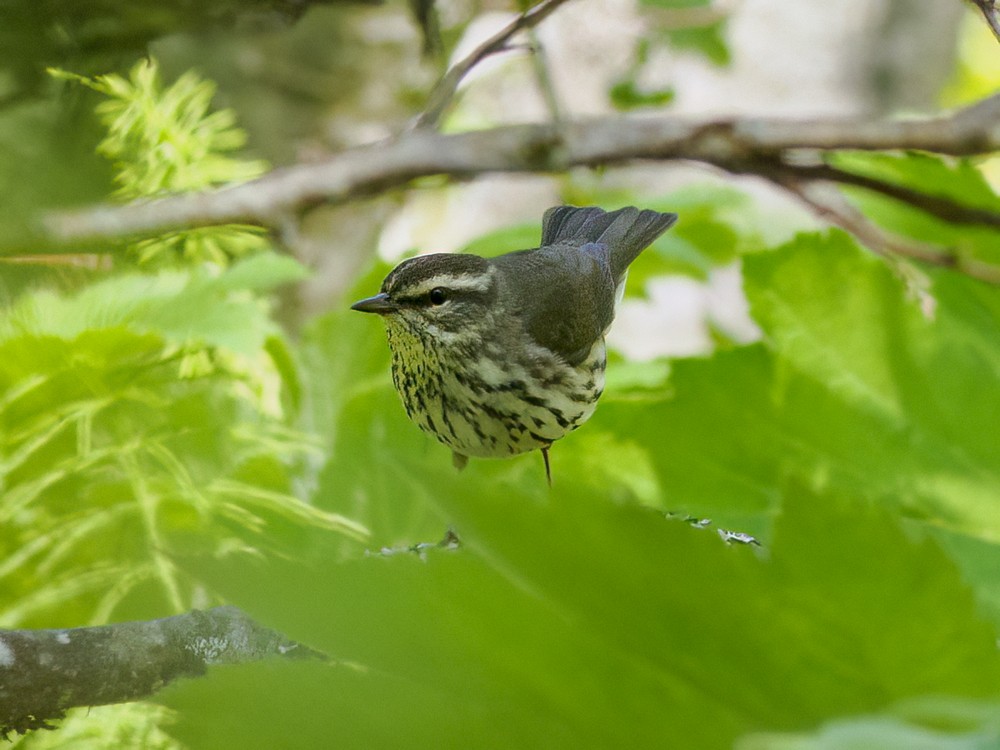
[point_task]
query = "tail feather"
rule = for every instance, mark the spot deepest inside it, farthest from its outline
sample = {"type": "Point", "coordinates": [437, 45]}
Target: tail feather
{"type": "Point", "coordinates": [626, 232]}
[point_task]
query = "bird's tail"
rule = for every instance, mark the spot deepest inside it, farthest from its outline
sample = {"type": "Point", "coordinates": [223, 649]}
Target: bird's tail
{"type": "Point", "coordinates": [626, 232]}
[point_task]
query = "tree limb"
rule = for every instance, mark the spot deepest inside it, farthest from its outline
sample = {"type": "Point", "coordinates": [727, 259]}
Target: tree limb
{"type": "Point", "coordinates": [738, 145]}
{"type": "Point", "coordinates": [45, 672]}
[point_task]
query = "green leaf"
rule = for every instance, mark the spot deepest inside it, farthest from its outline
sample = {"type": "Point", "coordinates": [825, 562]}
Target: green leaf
{"type": "Point", "coordinates": [708, 41]}
{"type": "Point", "coordinates": [575, 622]}
{"type": "Point", "coordinates": [958, 180]}
{"type": "Point", "coordinates": [198, 306]}
{"type": "Point", "coordinates": [626, 95]}
{"type": "Point", "coordinates": [858, 391]}
{"type": "Point", "coordinates": [144, 409]}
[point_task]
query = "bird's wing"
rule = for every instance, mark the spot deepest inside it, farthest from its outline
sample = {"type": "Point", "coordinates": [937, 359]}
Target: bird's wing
{"type": "Point", "coordinates": [564, 295]}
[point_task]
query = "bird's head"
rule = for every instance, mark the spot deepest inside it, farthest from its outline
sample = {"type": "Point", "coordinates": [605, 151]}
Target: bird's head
{"type": "Point", "coordinates": [447, 297]}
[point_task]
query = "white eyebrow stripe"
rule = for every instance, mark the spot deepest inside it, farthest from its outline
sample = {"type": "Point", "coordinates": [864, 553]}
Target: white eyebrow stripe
{"type": "Point", "coordinates": [457, 282]}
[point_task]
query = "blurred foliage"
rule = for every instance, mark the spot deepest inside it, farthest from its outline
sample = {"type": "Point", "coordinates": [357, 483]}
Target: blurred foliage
{"type": "Point", "coordinates": [129, 725]}
{"type": "Point", "coordinates": [856, 443]}
{"type": "Point", "coordinates": [627, 94]}
{"type": "Point", "coordinates": [707, 40]}
{"type": "Point", "coordinates": [164, 445]}
{"type": "Point", "coordinates": [167, 140]}
{"type": "Point", "coordinates": [977, 74]}
{"type": "Point", "coordinates": [682, 26]}
{"type": "Point", "coordinates": [144, 412]}
{"type": "Point", "coordinates": [959, 180]}
{"type": "Point", "coordinates": [93, 35]}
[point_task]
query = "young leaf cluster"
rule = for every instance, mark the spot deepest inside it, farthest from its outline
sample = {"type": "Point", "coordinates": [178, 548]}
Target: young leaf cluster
{"type": "Point", "coordinates": [166, 139]}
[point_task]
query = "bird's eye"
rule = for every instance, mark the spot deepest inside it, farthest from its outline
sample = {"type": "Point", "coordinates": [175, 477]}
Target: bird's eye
{"type": "Point", "coordinates": [438, 295]}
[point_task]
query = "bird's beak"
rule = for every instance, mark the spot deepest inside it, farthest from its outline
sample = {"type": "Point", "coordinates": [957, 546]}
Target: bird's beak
{"type": "Point", "coordinates": [380, 304]}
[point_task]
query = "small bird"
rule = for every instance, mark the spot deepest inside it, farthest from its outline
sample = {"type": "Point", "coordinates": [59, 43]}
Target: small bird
{"type": "Point", "coordinates": [499, 356]}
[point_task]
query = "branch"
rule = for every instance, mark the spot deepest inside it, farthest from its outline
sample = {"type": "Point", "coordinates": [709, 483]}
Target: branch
{"type": "Point", "coordinates": [840, 213]}
{"type": "Point", "coordinates": [445, 89]}
{"type": "Point", "coordinates": [991, 13]}
{"type": "Point", "coordinates": [936, 205]}
{"type": "Point", "coordinates": [736, 145]}
{"type": "Point", "coordinates": [45, 672]}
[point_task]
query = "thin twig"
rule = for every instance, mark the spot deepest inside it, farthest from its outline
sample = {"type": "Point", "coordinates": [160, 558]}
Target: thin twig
{"type": "Point", "coordinates": [991, 13]}
{"type": "Point", "coordinates": [840, 213]}
{"type": "Point", "coordinates": [446, 88]}
{"type": "Point", "coordinates": [940, 206]}
{"type": "Point", "coordinates": [544, 77]}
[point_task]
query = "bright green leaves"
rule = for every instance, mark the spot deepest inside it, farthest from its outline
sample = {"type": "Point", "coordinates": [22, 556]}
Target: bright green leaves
{"type": "Point", "coordinates": [931, 723]}
{"type": "Point", "coordinates": [202, 307]}
{"type": "Point", "coordinates": [165, 139]}
{"type": "Point", "coordinates": [964, 223]}
{"type": "Point", "coordinates": [925, 389]}
{"type": "Point", "coordinates": [142, 420]}
{"type": "Point", "coordinates": [856, 389]}
{"type": "Point", "coordinates": [802, 295]}
{"type": "Point", "coordinates": [575, 622]}
{"type": "Point", "coordinates": [575, 618]}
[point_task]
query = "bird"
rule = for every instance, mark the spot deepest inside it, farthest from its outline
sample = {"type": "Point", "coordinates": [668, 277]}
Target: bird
{"type": "Point", "coordinates": [499, 356]}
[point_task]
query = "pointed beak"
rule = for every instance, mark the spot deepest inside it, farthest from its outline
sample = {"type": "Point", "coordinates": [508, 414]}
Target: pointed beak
{"type": "Point", "coordinates": [380, 304]}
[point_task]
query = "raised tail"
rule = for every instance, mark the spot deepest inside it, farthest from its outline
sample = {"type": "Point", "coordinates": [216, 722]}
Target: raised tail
{"type": "Point", "coordinates": [626, 232]}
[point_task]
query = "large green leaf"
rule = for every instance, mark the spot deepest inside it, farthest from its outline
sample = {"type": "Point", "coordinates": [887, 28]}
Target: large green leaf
{"type": "Point", "coordinates": [855, 388]}
{"type": "Point", "coordinates": [574, 622]}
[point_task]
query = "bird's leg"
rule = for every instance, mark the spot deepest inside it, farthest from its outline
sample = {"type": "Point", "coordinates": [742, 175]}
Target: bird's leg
{"type": "Point", "coordinates": [458, 460]}
{"type": "Point", "coordinates": [548, 470]}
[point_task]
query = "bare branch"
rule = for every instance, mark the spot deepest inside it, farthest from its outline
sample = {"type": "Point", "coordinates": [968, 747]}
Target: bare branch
{"type": "Point", "coordinates": [445, 89]}
{"type": "Point", "coordinates": [936, 205]}
{"type": "Point", "coordinates": [840, 213]}
{"type": "Point", "coordinates": [45, 672]}
{"type": "Point", "coordinates": [736, 145]}
{"type": "Point", "coordinates": [991, 13]}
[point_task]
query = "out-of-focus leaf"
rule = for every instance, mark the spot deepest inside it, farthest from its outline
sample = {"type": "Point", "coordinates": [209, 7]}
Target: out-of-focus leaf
{"type": "Point", "coordinates": [184, 306]}
{"type": "Point", "coordinates": [708, 41]}
{"type": "Point", "coordinates": [626, 95]}
{"type": "Point", "coordinates": [959, 180]}
{"type": "Point", "coordinates": [573, 622]}
{"type": "Point", "coordinates": [932, 723]}
{"type": "Point", "coordinates": [861, 392]}
{"type": "Point", "coordinates": [140, 420]}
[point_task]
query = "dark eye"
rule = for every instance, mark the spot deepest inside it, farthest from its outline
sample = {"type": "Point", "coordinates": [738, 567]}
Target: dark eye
{"type": "Point", "coordinates": [438, 295]}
